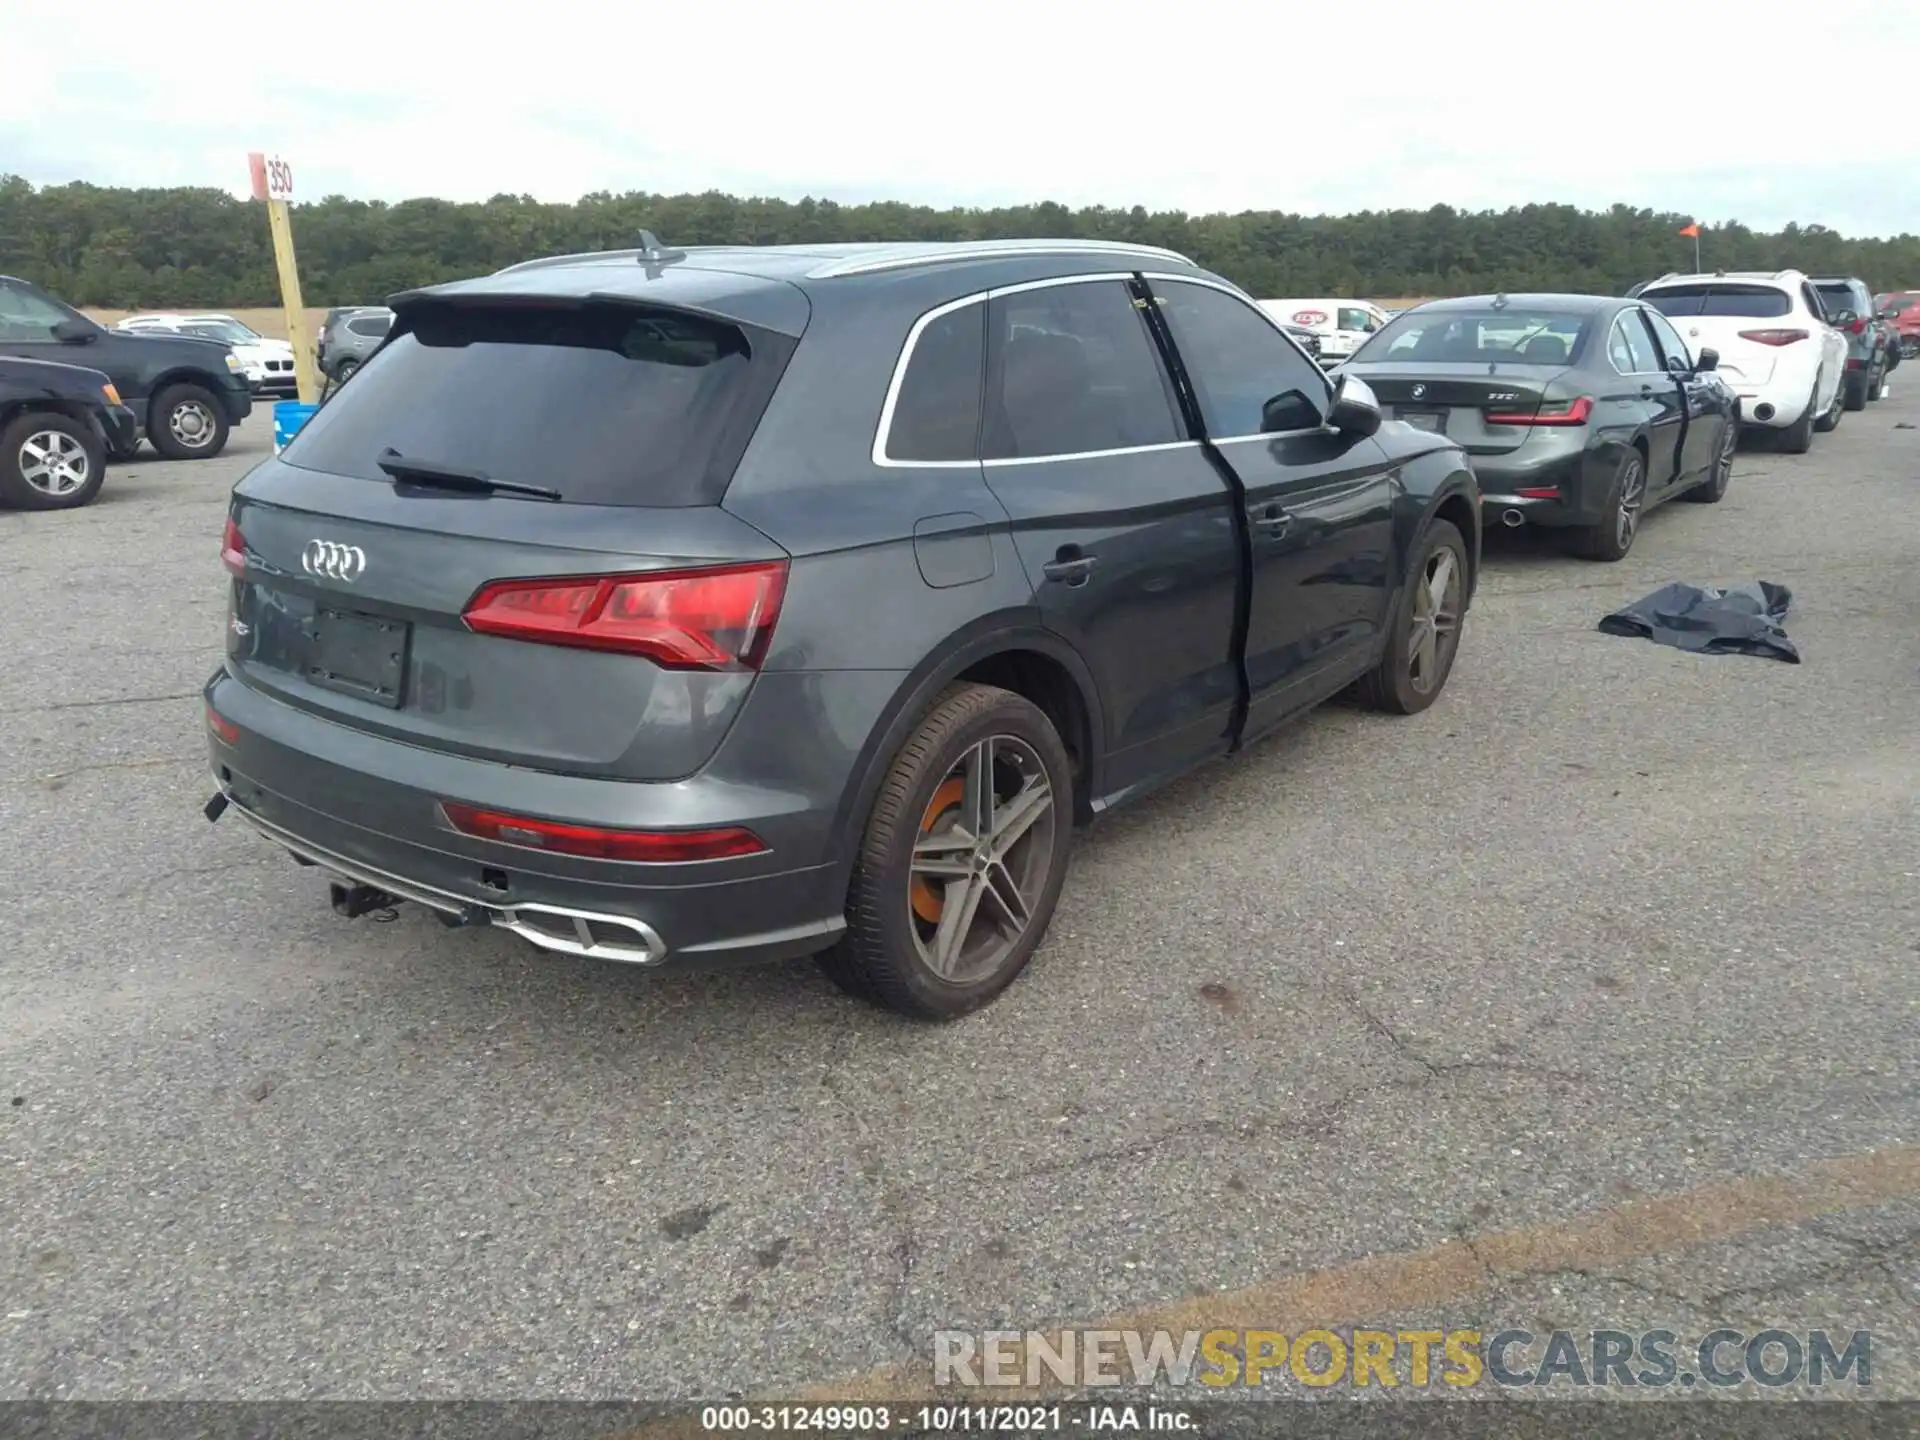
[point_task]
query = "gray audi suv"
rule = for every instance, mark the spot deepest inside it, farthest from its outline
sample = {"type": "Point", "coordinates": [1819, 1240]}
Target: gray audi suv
{"type": "Point", "coordinates": [684, 606]}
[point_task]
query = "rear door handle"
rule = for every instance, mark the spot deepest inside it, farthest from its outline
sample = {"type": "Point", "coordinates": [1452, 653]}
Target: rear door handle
{"type": "Point", "coordinates": [1074, 570]}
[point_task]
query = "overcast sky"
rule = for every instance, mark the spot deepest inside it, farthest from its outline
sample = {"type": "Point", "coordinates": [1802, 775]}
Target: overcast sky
{"type": "Point", "coordinates": [1716, 108]}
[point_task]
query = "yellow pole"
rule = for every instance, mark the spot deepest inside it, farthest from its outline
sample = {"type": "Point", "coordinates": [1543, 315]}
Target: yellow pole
{"type": "Point", "coordinates": [273, 183]}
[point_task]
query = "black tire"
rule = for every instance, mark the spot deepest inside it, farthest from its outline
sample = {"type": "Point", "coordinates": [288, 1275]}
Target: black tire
{"type": "Point", "coordinates": [884, 957]}
{"type": "Point", "coordinates": [1830, 421]}
{"type": "Point", "coordinates": [1713, 489]}
{"type": "Point", "coordinates": [1856, 390]}
{"type": "Point", "coordinates": [345, 372]}
{"type": "Point", "coordinates": [1612, 538]}
{"type": "Point", "coordinates": [1394, 685]}
{"type": "Point", "coordinates": [187, 423]}
{"type": "Point", "coordinates": [50, 461]}
{"type": "Point", "coordinates": [1797, 438]}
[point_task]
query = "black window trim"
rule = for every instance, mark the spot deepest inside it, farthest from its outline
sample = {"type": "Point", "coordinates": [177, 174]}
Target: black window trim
{"type": "Point", "coordinates": [883, 432]}
{"type": "Point", "coordinates": [1314, 365]}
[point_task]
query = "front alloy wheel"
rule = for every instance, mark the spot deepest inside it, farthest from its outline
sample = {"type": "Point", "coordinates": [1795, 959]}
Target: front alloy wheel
{"type": "Point", "coordinates": [963, 858]}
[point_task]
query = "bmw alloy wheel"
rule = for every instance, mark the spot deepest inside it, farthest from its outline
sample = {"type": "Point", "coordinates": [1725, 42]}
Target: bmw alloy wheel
{"type": "Point", "coordinates": [1633, 494]}
{"type": "Point", "coordinates": [982, 859]}
{"type": "Point", "coordinates": [54, 463]}
{"type": "Point", "coordinates": [1436, 621]}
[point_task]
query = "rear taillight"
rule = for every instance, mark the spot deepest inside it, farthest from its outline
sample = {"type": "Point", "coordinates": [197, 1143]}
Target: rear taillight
{"type": "Point", "coordinates": [1773, 337]}
{"type": "Point", "coordinates": [1569, 412]}
{"type": "Point", "coordinates": [656, 847]}
{"type": "Point", "coordinates": [233, 549]}
{"type": "Point", "coordinates": [228, 732]}
{"type": "Point", "coordinates": [714, 619]}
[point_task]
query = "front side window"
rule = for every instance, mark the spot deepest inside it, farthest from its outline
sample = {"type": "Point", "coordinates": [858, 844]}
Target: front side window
{"type": "Point", "coordinates": [1631, 348]}
{"type": "Point", "coordinates": [1072, 370]}
{"type": "Point", "coordinates": [1672, 347]}
{"type": "Point", "coordinates": [1238, 361]}
{"type": "Point", "coordinates": [936, 415]}
{"type": "Point", "coordinates": [27, 316]}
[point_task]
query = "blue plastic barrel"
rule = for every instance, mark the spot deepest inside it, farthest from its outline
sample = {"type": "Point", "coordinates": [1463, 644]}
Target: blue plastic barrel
{"type": "Point", "coordinates": [288, 417]}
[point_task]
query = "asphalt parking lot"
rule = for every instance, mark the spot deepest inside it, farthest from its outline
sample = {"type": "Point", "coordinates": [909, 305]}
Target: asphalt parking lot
{"type": "Point", "coordinates": [1587, 998]}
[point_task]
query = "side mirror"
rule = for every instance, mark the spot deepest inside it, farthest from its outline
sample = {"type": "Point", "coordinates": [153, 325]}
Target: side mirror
{"type": "Point", "coordinates": [1355, 410]}
{"type": "Point", "coordinates": [75, 331]}
{"type": "Point", "coordinates": [1709, 360]}
{"type": "Point", "coordinates": [1290, 410]}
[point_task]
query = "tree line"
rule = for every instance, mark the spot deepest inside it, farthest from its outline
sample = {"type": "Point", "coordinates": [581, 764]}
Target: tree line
{"type": "Point", "coordinates": [171, 248]}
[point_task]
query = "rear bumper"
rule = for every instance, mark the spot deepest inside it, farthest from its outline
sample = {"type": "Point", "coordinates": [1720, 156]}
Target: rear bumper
{"type": "Point", "coordinates": [365, 810]}
{"type": "Point", "coordinates": [1551, 481]}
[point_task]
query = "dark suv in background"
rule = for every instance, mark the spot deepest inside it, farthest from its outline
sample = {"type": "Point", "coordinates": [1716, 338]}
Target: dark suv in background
{"type": "Point", "coordinates": [1870, 349]}
{"type": "Point", "coordinates": [185, 392]}
{"type": "Point", "coordinates": [348, 337]}
{"type": "Point", "coordinates": [752, 603]}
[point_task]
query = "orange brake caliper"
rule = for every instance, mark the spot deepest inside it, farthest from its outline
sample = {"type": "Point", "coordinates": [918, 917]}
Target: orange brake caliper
{"type": "Point", "coordinates": [927, 901]}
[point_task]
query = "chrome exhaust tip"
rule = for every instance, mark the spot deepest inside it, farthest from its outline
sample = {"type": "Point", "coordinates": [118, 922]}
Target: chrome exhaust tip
{"type": "Point", "coordinates": [1763, 413]}
{"type": "Point", "coordinates": [1512, 519]}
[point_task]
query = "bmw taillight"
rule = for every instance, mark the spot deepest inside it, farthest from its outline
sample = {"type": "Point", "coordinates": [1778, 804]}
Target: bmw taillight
{"type": "Point", "coordinates": [720, 618]}
{"type": "Point", "coordinates": [1567, 412]}
{"type": "Point", "coordinates": [233, 549]}
{"type": "Point", "coordinates": [594, 842]}
{"type": "Point", "coordinates": [1773, 337]}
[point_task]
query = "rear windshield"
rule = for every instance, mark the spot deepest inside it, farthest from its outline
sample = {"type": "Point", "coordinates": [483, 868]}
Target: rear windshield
{"type": "Point", "coordinates": [1759, 302]}
{"type": "Point", "coordinates": [608, 404]}
{"type": "Point", "coordinates": [1837, 298]}
{"type": "Point", "coordinates": [1510, 336]}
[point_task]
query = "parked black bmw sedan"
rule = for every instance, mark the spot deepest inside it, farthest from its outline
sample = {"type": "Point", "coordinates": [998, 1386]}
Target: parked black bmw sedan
{"type": "Point", "coordinates": [1580, 412]}
{"type": "Point", "coordinates": [688, 606]}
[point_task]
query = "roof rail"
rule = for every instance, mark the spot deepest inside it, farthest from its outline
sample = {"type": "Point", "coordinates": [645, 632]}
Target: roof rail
{"type": "Point", "coordinates": [904, 257]}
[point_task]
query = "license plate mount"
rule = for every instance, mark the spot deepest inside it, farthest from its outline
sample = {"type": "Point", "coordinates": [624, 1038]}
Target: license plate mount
{"type": "Point", "coordinates": [1434, 420]}
{"type": "Point", "coordinates": [354, 654]}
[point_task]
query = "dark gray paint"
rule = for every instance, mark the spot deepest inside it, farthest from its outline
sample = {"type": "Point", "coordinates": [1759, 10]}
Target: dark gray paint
{"type": "Point", "coordinates": [901, 579]}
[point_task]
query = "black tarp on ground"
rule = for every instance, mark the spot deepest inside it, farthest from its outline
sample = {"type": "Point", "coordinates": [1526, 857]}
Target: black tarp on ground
{"type": "Point", "coordinates": [1741, 620]}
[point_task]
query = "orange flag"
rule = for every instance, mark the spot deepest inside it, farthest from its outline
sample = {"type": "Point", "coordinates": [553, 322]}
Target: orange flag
{"type": "Point", "coordinates": [1691, 232]}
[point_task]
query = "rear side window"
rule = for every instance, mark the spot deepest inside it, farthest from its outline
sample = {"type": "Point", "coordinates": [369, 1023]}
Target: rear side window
{"type": "Point", "coordinates": [375, 325]}
{"type": "Point", "coordinates": [1482, 336]}
{"type": "Point", "coordinates": [936, 414]}
{"type": "Point", "coordinates": [1631, 348]}
{"type": "Point", "coordinates": [608, 404]}
{"type": "Point", "coordinates": [1072, 370]}
{"type": "Point", "coordinates": [1756, 302]}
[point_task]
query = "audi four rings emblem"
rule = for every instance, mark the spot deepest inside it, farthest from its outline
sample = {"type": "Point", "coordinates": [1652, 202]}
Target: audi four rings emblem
{"type": "Point", "coordinates": [333, 561]}
{"type": "Point", "coordinates": [1418, 391]}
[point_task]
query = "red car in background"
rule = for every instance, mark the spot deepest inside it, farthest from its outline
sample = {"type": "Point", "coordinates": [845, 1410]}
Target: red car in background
{"type": "Point", "coordinates": [1901, 309]}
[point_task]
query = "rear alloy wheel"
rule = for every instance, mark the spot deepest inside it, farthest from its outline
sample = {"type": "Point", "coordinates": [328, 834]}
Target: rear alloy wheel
{"type": "Point", "coordinates": [1612, 537]}
{"type": "Point", "coordinates": [1831, 420]}
{"type": "Point", "coordinates": [50, 462]}
{"type": "Point", "coordinates": [1797, 438]}
{"type": "Point", "coordinates": [1713, 489]}
{"type": "Point", "coordinates": [1426, 631]}
{"type": "Point", "coordinates": [345, 372]}
{"type": "Point", "coordinates": [963, 859]}
{"type": "Point", "coordinates": [187, 423]}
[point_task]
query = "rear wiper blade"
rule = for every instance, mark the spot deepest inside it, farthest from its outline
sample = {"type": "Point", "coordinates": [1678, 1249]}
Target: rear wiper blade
{"type": "Point", "coordinates": [453, 477]}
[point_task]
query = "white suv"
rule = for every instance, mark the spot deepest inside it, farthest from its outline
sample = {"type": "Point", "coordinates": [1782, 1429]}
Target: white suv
{"type": "Point", "coordinates": [1777, 351]}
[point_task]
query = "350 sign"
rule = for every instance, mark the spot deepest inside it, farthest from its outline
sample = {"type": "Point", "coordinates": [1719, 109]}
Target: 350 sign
{"type": "Point", "coordinates": [272, 177]}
